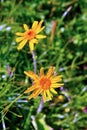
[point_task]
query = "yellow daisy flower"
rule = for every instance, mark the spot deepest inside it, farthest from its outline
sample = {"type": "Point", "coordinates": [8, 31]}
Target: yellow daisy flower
{"type": "Point", "coordinates": [44, 84]}
{"type": "Point", "coordinates": [30, 35]}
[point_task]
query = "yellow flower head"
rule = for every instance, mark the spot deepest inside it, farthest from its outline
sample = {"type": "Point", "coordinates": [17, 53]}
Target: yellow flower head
{"type": "Point", "coordinates": [44, 84]}
{"type": "Point", "coordinates": [30, 35]}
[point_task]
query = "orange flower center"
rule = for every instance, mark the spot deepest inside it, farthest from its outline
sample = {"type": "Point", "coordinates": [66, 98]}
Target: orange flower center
{"type": "Point", "coordinates": [31, 34]}
{"type": "Point", "coordinates": [45, 83]}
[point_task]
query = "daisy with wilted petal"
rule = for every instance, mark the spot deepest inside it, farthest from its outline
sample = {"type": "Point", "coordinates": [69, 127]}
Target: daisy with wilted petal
{"type": "Point", "coordinates": [30, 35]}
{"type": "Point", "coordinates": [44, 84]}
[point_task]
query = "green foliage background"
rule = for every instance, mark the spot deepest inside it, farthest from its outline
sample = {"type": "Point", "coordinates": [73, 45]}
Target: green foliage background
{"type": "Point", "coordinates": [67, 50]}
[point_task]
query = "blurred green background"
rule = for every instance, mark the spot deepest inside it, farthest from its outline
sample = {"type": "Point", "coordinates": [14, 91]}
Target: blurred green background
{"type": "Point", "coordinates": [65, 47]}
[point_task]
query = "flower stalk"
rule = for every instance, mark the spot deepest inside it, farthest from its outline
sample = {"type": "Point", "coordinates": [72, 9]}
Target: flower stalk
{"type": "Point", "coordinates": [34, 60]}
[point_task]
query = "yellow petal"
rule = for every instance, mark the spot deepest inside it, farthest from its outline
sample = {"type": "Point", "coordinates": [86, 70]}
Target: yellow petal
{"type": "Point", "coordinates": [31, 96]}
{"type": "Point", "coordinates": [42, 71]}
{"type": "Point", "coordinates": [21, 44]}
{"type": "Point", "coordinates": [31, 75]}
{"type": "Point", "coordinates": [39, 29]}
{"type": "Point", "coordinates": [31, 43]}
{"type": "Point", "coordinates": [44, 96]}
{"type": "Point", "coordinates": [56, 85]}
{"type": "Point", "coordinates": [37, 92]}
{"type": "Point", "coordinates": [40, 23]}
{"type": "Point", "coordinates": [53, 91]}
{"type": "Point", "coordinates": [56, 79]}
{"type": "Point", "coordinates": [31, 46]}
{"type": "Point", "coordinates": [19, 39]}
{"type": "Point", "coordinates": [34, 24]}
{"type": "Point", "coordinates": [40, 36]}
{"type": "Point", "coordinates": [19, 34]}
{"type": "Point", "coordinates": [25, 27]}
{"type": "Point", "coordinates": [48, 94]}
{"type": "Point", "coordinates": [50, 72]}
{"type": "Point", "coordinates": [30, 89]}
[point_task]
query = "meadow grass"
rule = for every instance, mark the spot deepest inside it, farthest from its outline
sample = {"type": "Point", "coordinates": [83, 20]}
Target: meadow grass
{"type": "Point", "coordinates": [64, 47]}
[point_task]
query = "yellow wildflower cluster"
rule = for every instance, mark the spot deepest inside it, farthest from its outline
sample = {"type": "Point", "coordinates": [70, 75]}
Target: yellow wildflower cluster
{"type": "Point", "coordinates": [44, 84]}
